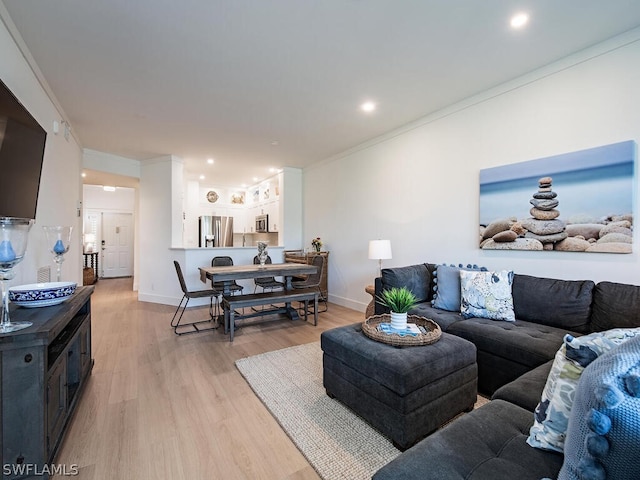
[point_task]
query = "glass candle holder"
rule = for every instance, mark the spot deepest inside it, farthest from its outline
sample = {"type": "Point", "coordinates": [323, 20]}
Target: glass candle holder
{"type": "Point", "coordinates": [14, 234]}
{"type": "Point", "coordinates": [59, 241]}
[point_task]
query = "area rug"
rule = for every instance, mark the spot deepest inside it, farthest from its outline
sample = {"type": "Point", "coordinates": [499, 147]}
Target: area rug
{"type": "Point", "coordinates": [336, 442]}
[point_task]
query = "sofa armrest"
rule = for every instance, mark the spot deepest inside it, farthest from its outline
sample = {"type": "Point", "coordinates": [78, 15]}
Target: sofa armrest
{"type": "Point", "coordinates": [379, 308]}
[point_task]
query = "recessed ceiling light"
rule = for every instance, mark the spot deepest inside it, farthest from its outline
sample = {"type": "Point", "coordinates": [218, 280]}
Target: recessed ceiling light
{"type": "Point", "coordinates": [84, 175]}
{"type": "Point", "coordinates": [108, 188]}
{"type": "Point", "coordinates": [210, 161]}
{"type": "Point", "coordinates": [519, 20]}
{"type": "Point", "coordinates": [255, 179]}
{"type": "Point", "coordinates": [201, 177]}
{"type": "Point", "coordinates": [368, 107]}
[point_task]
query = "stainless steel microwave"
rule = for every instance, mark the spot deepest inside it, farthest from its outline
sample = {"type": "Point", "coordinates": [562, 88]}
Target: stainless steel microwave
{"type": "Point", "coordinates": [262, 223]}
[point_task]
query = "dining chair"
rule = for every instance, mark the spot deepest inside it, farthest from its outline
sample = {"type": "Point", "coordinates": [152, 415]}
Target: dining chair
{"type": "Point", "coordinates": [224, 261]}
{"type": "Point", "coordinates": [266, 283]}
{"type": "Point", "coordinates": [188, 295]}
{"type": "Point", "coordinates": [313, 280]}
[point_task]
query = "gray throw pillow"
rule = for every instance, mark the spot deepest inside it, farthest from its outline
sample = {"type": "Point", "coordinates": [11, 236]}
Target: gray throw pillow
{"type": "Point", "coordinates": [416, 278]}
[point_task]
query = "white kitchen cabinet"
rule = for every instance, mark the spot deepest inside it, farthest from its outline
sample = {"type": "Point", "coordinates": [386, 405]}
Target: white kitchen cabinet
{"type": "Point", "coordinates": [271, 209]}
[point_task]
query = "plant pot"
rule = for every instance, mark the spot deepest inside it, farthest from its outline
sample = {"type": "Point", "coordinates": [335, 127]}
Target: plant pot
{"type": "Point", "coordinates": [399, 321]}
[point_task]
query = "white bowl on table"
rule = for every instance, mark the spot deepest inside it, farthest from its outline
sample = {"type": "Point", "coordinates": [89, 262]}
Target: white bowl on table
{"type": "Point", "coordinates": [41, 294]}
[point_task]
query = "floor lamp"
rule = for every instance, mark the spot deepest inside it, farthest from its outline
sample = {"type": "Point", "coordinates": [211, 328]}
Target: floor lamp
{"type": "Point", "coordinates": [379, 250]}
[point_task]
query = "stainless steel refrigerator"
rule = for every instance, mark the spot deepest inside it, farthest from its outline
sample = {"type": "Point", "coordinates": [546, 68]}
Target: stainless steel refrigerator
{"type": "Point", "coordinates": [215, 231]}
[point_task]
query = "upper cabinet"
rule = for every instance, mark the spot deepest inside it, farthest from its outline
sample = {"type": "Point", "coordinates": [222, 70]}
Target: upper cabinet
{"type": "Point", "coordinates": [243, 205]}
{"type": "Point", "coordinates": [271, 209]}
{"type": "Point", "coordinates": [264, 199]}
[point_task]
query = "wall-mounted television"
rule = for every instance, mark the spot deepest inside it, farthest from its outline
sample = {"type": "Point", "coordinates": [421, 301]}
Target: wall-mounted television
{"type": "Point", "coordinates": [22, 141]}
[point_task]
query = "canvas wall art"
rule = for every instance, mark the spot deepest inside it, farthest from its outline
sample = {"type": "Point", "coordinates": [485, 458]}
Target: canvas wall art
{"type": "Point", "coordinates": [575, 202]}
{"type": "Point", "coordinates": [237, 198]}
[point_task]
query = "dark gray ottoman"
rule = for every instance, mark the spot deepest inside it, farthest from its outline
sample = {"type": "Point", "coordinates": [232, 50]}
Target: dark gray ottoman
{"type": "Point", "coordinates": [406, 393]}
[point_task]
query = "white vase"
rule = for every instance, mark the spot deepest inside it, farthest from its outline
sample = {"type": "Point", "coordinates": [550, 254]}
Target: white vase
{"type": "Point", "coordinates": [399, 321]}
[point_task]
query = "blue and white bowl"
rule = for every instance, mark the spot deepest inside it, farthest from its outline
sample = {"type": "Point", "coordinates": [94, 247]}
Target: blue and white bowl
{"type": "Point", "coordinates": [41, 294]}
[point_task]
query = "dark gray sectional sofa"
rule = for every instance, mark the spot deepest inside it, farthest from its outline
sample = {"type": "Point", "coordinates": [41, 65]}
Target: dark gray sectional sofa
{"type": "Point", "coordinates": [514, 360]}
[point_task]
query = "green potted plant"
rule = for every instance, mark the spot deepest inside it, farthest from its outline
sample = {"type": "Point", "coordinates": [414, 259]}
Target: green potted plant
{"type": "Point", "coordinates": [399, 301]}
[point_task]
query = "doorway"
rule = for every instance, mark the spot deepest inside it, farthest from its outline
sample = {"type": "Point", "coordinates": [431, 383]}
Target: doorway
{"type": "Point", "coordinates": [117, 245]}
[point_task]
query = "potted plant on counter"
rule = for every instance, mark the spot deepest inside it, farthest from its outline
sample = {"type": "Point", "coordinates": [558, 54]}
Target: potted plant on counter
{"type": "Point", "coordinates": [316, 243]}
{"type": "Point", "coordinates": [399, 301]}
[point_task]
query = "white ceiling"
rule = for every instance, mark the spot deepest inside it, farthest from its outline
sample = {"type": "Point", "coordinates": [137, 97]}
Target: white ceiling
{"type": "Point", "coordinates": [228, 78]}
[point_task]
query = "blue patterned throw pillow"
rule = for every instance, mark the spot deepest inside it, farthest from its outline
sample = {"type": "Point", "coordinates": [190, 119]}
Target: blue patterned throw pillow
{"type": "Point", "coordinates": [551, 417]}
{"type": "Point", "coordinates": [487, 295]}
{"type": "Point", "coordinates": [603, 437]}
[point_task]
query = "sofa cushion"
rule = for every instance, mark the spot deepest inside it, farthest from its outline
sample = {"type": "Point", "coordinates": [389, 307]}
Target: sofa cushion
{"type": "Point", "coordinates": [486, 444]}
{"type": "Point", "coordinates": [487, 295]}
{"type": "Point", "coordinates": [446, 286]}
{"type": "Point", "coordinates": [615, 305]}
{"type": "Point", "coordinates": [416, 278]}
{"type": "Point", "coordinates": [526, 390]}
{"type": "Point", "coordinates": [557, 303]}
{"type": "Point", "coordinates": [553, 411]}
{"type": "Point", "coordinates": [443, 318]}
{"type": "Point", "coordinates": [603, 438]}
{"type": "Point", "coordinates": [526, 343]}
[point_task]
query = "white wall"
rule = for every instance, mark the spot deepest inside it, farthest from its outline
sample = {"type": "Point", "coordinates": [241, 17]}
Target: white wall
{"type": "Point", "coordinates": [291, 212]}
{"type": "Point", "coordinates": [122, 200]}
{"type": "Point", "coordinates": [160, 210]}
{"type": "Point", "coordinates": [107, 162]}
{"type": "Point", "coordinates": [60, 186]}
{"type": "Point", "coordinates": [419, 186]}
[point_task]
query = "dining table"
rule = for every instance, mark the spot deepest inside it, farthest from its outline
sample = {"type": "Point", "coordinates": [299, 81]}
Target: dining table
{"type": "Point", "coordinates": [228, 274]}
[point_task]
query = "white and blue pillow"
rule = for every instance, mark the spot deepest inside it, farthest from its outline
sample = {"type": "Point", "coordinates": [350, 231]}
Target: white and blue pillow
{"type": "Point", "coordinates": [551, 416]}
{"type": "Point", "coordinates": [487, 295]}
{"type": "Point", "coordinates": [603, 436]}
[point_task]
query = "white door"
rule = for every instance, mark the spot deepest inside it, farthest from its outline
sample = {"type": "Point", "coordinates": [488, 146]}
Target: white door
{"type": "Point", "coordinates": [117, 247]}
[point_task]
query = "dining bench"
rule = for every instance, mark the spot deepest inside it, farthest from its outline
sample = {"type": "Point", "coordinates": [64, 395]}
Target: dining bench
{"type": "Point", "coordinates": [232, 302]}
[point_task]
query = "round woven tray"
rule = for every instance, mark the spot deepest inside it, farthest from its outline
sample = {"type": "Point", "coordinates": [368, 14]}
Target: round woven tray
{"type": "Point", "coordinates": [370, 330]}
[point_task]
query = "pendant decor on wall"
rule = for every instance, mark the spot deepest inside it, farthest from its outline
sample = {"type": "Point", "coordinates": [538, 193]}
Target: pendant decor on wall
{"type": "Point", "coordinates": [575, 202]}
{"type": "Point", "coordinates": [212, 196]}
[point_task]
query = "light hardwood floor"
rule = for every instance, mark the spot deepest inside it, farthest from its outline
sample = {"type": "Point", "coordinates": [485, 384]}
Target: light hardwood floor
{"type": "Point", "coordinates": [159, 406]}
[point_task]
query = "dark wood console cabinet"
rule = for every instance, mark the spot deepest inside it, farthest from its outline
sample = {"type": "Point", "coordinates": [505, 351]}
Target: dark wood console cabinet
{"type": "Point", "coordinates": [43, 371]}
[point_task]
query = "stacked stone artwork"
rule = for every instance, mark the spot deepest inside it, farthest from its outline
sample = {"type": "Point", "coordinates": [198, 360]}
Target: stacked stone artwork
{"type": "Point", "coordinates": [544, 230]}
{"type": "Point", "coordinates": [544, 224]}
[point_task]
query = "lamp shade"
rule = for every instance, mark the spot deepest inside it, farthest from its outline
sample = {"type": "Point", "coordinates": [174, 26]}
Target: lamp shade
{"type": "Point", "coordinates": [380, 249]}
